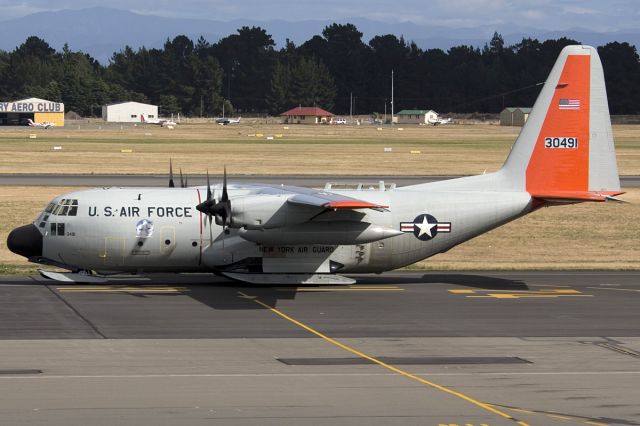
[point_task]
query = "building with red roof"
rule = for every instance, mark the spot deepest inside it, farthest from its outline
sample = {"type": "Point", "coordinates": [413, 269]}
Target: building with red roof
{"type": "Point", "coordinates": [307, 115]}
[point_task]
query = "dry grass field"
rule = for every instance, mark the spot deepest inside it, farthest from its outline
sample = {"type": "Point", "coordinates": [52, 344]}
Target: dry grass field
{"type": "Point", "coordinates": [295, 149]}
{"type": "Point", "coordinates": [585, 236]}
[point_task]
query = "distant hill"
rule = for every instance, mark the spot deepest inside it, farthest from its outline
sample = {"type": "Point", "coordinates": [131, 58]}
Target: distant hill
{"type": "Point", "coordinates": [102, 31]}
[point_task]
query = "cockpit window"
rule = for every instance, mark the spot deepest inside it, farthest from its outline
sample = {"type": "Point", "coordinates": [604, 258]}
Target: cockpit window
{"type": "Point", "coordinates": [43, 219]}
{"type": "Point", "coordinates": [67, 207]}
{"type": "Point", "coordinates": [57, 229]}
{"type": "Point", "coordinates": [50, 207]}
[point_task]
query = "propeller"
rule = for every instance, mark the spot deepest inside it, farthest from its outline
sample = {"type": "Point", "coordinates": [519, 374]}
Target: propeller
{"type": "Point", "coordinates": [182, 181]}
{"type": "Point", "coordinates": [171, 184]}
{"type": "Point", "coordinates": [221, 210]}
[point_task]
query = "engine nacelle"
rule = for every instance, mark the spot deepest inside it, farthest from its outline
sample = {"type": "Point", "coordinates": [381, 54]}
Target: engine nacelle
{"type": "Point", "coordinates": [265, 211]}
{"type": "Point", "coordinates": [340, 233]}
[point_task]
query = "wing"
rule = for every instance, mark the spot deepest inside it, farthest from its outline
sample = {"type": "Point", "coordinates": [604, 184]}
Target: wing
{"type": "Point", "coordinates": [332, 201]}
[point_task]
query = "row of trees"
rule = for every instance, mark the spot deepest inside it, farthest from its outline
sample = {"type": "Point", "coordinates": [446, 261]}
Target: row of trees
{"type": "Point", "coordinates": [246, 72]}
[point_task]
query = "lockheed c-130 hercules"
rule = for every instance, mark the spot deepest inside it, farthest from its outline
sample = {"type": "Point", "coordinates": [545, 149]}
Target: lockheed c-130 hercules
{"type": "Point", "coordinates": [265, 234]}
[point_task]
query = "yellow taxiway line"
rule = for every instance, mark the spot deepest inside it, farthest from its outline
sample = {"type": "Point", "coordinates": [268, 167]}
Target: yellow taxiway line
{"type": "Point", "coordinates": [397, 370]}
{"type": "Point", "coordinates": [519, 294]}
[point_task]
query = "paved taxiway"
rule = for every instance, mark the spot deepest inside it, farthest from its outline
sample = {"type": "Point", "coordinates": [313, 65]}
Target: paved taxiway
{"type": "Point", "coordinates": [543, 348]}
{"type": "Point", "coordinates": [162, 180]}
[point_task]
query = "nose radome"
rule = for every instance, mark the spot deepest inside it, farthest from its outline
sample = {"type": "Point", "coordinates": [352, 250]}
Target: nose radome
{"type": "Point", "coordinates": [25, 241]}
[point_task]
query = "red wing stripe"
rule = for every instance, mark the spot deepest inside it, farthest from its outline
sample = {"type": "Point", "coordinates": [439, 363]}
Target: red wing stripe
{"type": "Point", "coordinates": [355, 204]}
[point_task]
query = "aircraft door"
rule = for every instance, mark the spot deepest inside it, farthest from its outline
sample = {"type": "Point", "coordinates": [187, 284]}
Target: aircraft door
{"type": "Point", "coordinates": [114, 251]}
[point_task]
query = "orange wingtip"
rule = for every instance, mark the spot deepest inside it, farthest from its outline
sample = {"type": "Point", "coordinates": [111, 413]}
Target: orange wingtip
{"type": "Point", "coordinates": [575, 195]}
{"type": "Point", "coordinates": [352, 205]}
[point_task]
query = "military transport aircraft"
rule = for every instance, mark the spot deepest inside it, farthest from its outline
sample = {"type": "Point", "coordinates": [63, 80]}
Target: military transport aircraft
{"type": "Point", "coordinates": [265, 234]}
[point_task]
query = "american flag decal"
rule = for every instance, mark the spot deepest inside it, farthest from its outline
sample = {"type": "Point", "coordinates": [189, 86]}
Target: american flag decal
{"type": "Point", "coordinates": [569, 104]}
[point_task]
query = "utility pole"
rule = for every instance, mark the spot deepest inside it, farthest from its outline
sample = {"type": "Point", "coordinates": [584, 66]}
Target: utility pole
{"type": "Point", "coordinates": [351, 108]}
{"type": "Point", "coordinates": [385, 111]}
{"type": "Point", "coordinates": [392, 97]}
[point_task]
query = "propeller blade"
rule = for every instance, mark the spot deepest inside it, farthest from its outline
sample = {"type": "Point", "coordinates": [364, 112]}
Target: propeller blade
{"type": "Point", "coordinates": [225, 195]}
{"type": "Point", "coordinates": [221, 210]}
{"type": "Point", "coordinates": [182, 185]}
{"type": "Point", "coordinates": [209, 197]}
{"type": "Point", "coordinates": [186, 183]}
{"type": "Point", "coordinates": [171, 184]}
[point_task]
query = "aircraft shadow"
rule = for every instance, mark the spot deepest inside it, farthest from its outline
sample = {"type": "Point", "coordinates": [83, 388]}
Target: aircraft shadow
{"type": "Point", "coordinates": [477, 281]}
{"type": "Point", "coordinates": [216, 292]}
{"type": "Point", "coordinates": [232, 296]}
{"type": "Point", "coordinates": [223, 294]}
{"type": "Point", "coordinates": [485, 282]}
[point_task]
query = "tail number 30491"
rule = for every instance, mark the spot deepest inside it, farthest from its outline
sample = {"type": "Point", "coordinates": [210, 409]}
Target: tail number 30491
{"type": "Point", "coordinates": [560, 142]}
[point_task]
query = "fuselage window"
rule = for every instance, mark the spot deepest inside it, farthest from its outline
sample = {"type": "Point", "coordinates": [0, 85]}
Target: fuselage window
{"type": "Point", "coordinates": [61, 229]}
{"type": "Point", "coordinates": [54, 229]}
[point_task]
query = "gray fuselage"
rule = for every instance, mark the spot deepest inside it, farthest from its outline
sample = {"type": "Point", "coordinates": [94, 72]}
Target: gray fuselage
{"type": "Point", "coordinates": [159, 230]}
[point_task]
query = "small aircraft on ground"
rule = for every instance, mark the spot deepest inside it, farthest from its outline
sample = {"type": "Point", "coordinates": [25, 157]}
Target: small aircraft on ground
{"type": "Point", "coordinates": [43, 125]}
{"type": "Point", "coordinates": [162, 122]}
{"type": "Point", "coordinates": [438, 121]}
{"type": "Point", "coordinates": [270, 234]}
{"type": "Point", "coordinates": [223, 121]}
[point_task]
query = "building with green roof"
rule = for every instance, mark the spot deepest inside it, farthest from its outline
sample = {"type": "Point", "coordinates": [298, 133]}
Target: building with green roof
{"type": "Point", "coordinates": [416, 116]}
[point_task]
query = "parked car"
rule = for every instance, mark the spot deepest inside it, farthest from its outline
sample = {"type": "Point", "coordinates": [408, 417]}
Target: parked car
{"type": "Point", "coordinates": [340, 121]}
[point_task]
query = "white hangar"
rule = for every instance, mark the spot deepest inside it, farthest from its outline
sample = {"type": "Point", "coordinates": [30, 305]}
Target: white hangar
{"type": "Point", "coordinates": [129, 112]}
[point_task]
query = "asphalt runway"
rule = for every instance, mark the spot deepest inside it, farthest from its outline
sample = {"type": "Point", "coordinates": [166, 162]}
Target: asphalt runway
{"type": "Point", "coordinates": [163, 180]}
{"type": "Point", "coordinates": [454, 348]}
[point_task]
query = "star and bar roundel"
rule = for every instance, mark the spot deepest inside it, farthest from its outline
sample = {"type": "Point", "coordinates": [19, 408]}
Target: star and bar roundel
{"type": "Point", "coordinates": [425, 227]}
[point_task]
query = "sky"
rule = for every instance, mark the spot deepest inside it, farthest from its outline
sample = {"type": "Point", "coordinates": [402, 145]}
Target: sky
{"type": "Point", "coordinates": [596, 15]}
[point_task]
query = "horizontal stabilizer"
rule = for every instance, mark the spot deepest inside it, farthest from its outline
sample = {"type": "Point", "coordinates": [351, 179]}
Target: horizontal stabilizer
{"type": "Point", "coordinates": [575, 196]}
